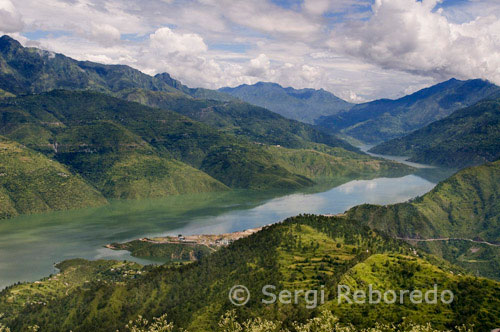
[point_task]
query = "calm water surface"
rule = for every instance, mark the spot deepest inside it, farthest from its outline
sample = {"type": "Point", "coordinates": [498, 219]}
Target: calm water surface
{"type": "Point", "coordinates": [30, 245]}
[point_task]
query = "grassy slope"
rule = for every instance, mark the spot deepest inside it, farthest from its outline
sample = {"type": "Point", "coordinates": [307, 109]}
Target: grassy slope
{"type": "Point", "coordinates": [304, 251]}
{"type": "Point", "coordinates": [32, 183]}
{"type": "Point", "coordinates": [404, 272]}
{"type": "Point", "coordinates": [467, 205]}
{"type": "Point", "coordinates": [385, 119]}
{"type": "Point", "coordinates": [469, 136]}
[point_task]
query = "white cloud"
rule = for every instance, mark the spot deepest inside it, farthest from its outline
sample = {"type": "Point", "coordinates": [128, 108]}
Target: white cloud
{"type": "Point", "coordinates": [10, 19]}
{"type": "Point", "coordinates": [105, 34]}
{"type": "Point", "coordinates": [401, 46]}
{"type": "Point", "coordinates": [410, 36]}
{"type": "Point", "coordinates": [166, 41]}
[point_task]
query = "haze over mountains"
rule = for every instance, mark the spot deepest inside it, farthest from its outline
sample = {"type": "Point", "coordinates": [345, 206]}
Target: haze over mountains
{"type": "Point", "coordinates": [385, 119]}
{"type": "Point", "coordinates": [304, 105]}
{"type": "Point", "coordinates": [469, 136]}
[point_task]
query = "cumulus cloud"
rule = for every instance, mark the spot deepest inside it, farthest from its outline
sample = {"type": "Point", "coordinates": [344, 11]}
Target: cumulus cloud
{"type": "Point", "coordinates": [412, 36]}
{"type": "Point", "coordinates": [363, 51]}
{"type": "Point", "coordinates": [10, 19]}
{"type": "Point", "coordinates": [166, 41]}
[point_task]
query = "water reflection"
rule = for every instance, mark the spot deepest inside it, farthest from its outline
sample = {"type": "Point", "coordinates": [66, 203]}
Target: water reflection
{"type": "Point", "coordinates": [29, 245]}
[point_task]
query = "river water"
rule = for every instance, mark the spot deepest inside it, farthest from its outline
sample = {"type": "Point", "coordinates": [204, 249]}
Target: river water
{"type": "Point", "coordinates": [30, 245]}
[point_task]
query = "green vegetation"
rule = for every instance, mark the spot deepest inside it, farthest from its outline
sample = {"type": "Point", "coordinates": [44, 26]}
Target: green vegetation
{"type": "Point", "coordinates": [167, 252]}
{"type": "Point", "coordinates": [255, 123]}
{"type": "Point", "coordinates": [465, 206]}
{"type": "Point", "coordinates": [130, 151]}
{"type": "Point", "coordinates": [31, 70]}
{"type": "Point", "coordinates": [304, 105]}
{"type": "Point", "coordinates": [74, 274]}
{"type": "Point", "coordinates": [32, 183]}
{"type": "Point", "coordinates": [385, 119]}
{"type": "Point", "coordinates": [470, 136]}
{"type": "Point", "coordinates": [304, 251]}
{"type": "Point", "coordinates": [326, 164]}
{"type": "Point", "coordinates": [478, 258]}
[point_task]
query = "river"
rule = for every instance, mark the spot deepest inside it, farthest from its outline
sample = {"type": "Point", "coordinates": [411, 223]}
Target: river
{"type": "Point", "coordinates": [30, 245]}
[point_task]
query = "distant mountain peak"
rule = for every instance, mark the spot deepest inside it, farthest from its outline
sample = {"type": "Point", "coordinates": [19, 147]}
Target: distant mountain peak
{"type": "Point", "coordinates": [304, 105]}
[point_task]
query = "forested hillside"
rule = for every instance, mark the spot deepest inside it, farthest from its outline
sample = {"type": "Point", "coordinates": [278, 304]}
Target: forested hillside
{"type": "Point", "coordinates": [33, 183]}
{"type": "Point", "coordinates": [470, 136]}
{"type": "Point", "coordinates": [300, 253]}
{"type": "Point", "coordinates": [127, 150]}
{"type": "Point", "coordinates": [466, 206]}
{"type": "Point", "coordinates": [385, 119]}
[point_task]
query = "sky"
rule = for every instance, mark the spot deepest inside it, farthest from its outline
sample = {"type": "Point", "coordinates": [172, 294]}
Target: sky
{"type": "Point", "coordinates": [359, 50]}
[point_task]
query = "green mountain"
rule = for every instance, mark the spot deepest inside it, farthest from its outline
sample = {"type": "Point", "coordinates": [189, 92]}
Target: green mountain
{"type": "Point", "coordinates": [30, 70]}
{"type": "Point", "coordinates": [465, 207]}
{"type": "Point", "coordinates": [33, 183]}
{"type": "Point", "coordinates": [127, 150]}
{"type": "Point", "coordinates": [26, 70]}
{"type": "Point", "coordinates": [115, 144]}
{"type": "Point", "coordinates": [304, 105]}
{"type": "Point", "coordinates": [255, 123]}
{"type": "Point", "coordinates": [386, 119]}
{"type": "Point", "coordinates": [469, 136]}
{"type": "Point", "coordinates": [301, 253]}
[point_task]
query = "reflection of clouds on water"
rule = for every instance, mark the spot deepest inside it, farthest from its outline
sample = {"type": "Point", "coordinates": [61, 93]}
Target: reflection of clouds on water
{"type": "Point", "coordinates": [39, 241]}
{"type": "Point", "coordinates": [294, 204]}
{"type": "Point", "coordinates": [357, 185]}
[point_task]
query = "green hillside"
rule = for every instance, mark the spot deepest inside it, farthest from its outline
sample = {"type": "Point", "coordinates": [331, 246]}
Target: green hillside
{"type": "Point", "coordinates": [235, 117]}
{"type": "Point", "coordinates": [385, 119]}
{"type": "Point", "coordinates": [25, 70]}
{"type": "Point", "coordinates": [117, 143]}
{"type": "Point", "coordinates": [470, 136]}
{"type": "Point", "coordinates": [465, 206]}
{"type": "Point", "coordinates": [127, 150]}
{"type": "Point", "coordinates": [306, 251]}
{"type": "Point", "coordinates": [304, 105]}
{"type": "Point", "coordinates": [32, 183]}
{"type": "Point", "coordinates": [324, 163]}
{"type": "Point", "coordinates": [31, 70]}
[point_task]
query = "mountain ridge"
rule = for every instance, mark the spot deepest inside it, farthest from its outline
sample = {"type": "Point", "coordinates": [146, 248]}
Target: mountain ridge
{"type": "Point", "coordinates": [385, 119]}
{"type": "Point", "coordinates": [304, 105]}
{"type": "Point", "coordinates": [467, 137]}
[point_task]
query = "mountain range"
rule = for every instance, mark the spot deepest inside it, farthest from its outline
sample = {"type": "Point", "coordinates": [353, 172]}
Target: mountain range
{"type": "Point", "coordinates": [76, 134]}
{"type": "Point", "coordinates": [385, 119]}
{"type": "Point", "coordinates": [306, 105]}
{"type": "Point", "coordinates": [84, 118]}
{"type": "Point", "coordinates": [469, 136]}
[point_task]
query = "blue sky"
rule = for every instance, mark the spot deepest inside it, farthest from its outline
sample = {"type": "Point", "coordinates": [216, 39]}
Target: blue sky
{"type": "Point", "coordinates": [358, 49]}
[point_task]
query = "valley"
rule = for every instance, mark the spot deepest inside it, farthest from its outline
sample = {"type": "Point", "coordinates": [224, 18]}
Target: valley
{"type": "Point", "coordinates": [130, 201]}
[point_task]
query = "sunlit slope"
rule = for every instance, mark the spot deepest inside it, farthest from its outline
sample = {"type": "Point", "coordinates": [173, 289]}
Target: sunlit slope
{"type": "Point", "coordinates": [32, 183]}
{"type": "Point", "coordinates": [301, 253]}
{"type": "Point", "coordinates": [465, 205]}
